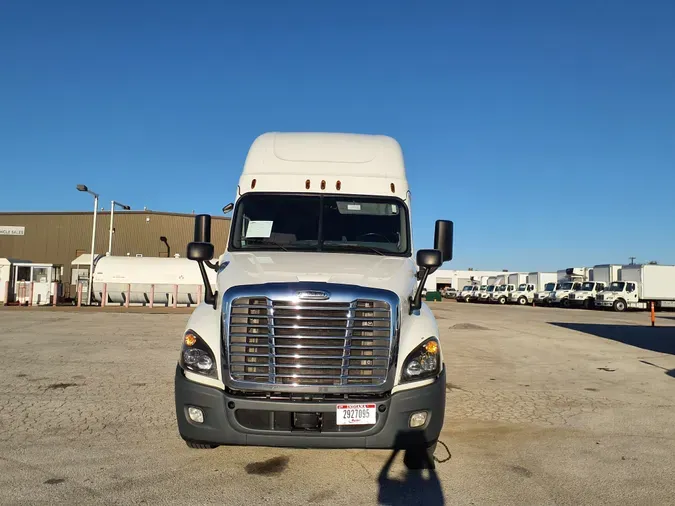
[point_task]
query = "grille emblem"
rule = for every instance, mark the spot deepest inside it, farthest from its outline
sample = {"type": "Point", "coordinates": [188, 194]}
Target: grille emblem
{"type": "Point", "coordinates": [313, 295]}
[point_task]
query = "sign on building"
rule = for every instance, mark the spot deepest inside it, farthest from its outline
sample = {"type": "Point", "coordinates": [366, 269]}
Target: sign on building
{"type": "Point", "coordinates": [9, 230]}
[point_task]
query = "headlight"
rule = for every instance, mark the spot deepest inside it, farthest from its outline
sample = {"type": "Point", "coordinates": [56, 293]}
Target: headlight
{"type": "Point", "coordinates": [196, 356]}
{"type": "Point", "coordinates": [423, 362]}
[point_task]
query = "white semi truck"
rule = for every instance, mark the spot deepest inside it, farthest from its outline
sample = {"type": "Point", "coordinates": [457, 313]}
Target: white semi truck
{"type": "Point", "coordinates": [569, 280]}
{"type": "Point", "coordinates": [316, 335]}
{"type": "Point", "coordinates": [535, 288]}
{"type": "Point", "coordinates": [638, 286]}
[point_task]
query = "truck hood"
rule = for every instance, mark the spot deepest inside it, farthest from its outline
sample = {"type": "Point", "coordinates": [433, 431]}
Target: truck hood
{"type": "Point", "coordinates": [396, 274]}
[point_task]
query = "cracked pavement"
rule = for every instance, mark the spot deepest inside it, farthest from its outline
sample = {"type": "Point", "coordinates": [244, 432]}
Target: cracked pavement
{"type": "Point", "coordinates": [544, 406]}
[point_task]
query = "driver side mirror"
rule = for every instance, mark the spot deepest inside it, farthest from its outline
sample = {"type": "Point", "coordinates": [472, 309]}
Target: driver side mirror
{"type": "Point", "coordinates": [429, 259]}
{"type": "Point", "coordinates": [201, 250]}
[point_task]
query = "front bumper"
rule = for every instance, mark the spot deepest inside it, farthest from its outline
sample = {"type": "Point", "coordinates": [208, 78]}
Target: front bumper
{"type": "Point", "coordinates": [223, 419]}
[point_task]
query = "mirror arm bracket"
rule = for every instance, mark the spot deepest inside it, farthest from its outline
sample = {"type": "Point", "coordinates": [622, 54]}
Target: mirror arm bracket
{"type": "Point", "coordinates": [209, 297]}
{"type": "Point", "coordinates": [416, 300]}
{"type": "Point", "coordinates": [212, 265]}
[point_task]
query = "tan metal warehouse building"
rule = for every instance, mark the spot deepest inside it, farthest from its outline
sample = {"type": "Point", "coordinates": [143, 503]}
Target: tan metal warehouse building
{"type": "Point", "coordinates": [60, 237]}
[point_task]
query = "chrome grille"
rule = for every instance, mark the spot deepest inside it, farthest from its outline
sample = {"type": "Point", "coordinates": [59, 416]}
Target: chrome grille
{"type": "Point", "coordinates": [309, 343]}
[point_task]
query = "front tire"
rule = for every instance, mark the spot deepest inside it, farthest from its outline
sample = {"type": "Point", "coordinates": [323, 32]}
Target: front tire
{"type": "Point", "coordinates": [589, 304]}
{"type": "Point", "coordinates": [502, 300]}
{"type": "Point", "coordinates": [522, 301]}
{"type": "Point", "coordinates": [565, 303]}
{"type": "Point", "coordinates": [619, 306]}
{"type": "Point", "coordinates": [420, 458]}
{"type": "Point", "coordinates": [200, 446]}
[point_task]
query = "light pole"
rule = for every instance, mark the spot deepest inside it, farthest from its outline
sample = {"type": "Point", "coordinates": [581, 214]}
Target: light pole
{"type": "Point", "coordinates": [112, 216]}
{"type": "Point", "coordinates": [83, 188]}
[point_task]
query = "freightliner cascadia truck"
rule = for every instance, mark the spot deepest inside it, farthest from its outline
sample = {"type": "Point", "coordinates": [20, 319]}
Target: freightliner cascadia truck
{"type": "Point", "coordinates": [315, 335]}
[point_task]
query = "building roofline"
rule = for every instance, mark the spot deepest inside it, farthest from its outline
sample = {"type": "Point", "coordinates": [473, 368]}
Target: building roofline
{"type": "Point", "coordinates": [117, 213]}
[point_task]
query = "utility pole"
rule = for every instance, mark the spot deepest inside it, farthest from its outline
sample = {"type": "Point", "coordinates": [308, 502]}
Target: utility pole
{"type": "Point", "coordinates": [83, 188]}
{"type": "Point", "coordinates": [112, 217]}
{"type": "Point", "coordinates": [632, 260]}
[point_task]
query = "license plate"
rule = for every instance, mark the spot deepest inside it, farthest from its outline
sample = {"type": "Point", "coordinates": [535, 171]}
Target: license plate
{"type": "Point", "coordinates": [356, 414]}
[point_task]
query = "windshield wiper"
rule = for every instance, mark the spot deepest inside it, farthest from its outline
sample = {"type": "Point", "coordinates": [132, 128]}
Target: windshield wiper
{"type": "Point", "coordinates": [354, 246]}
{"type": "Point", "coordinates": [265, 242]}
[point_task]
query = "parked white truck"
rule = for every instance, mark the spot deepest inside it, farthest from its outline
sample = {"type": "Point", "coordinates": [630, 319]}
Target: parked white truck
{"type": "Point", "coordinates": [477, 295]}
{"type": "Point", "coordinates": [603, 275]}
{"type": "Point", "coordinates": [316, 336]}
{"type": "Point", "coordinates": [639, 285]}
{"type": "Point", "coordinates": [536, 288]}
{"type": "Point", "coordinates": [569, 280]}
{"type": "Point", "coordinates": [466, 293]}
{"type": "Point", "coordinates": [586, 294]}
{"type": "Point", "coordinates": [501, 293]}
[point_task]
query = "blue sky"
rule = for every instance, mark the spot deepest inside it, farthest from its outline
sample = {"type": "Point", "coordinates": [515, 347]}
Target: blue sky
{"type": "Point", "coordinates": [545, 130]}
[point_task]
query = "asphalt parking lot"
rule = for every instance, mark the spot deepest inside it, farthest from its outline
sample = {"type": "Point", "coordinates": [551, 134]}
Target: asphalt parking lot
{"type": "Point", "coordinates": [544, 406]}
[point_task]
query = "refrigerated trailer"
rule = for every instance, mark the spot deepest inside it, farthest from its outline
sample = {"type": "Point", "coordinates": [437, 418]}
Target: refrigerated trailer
{"type": "Point", "coordinates": [638, 286]}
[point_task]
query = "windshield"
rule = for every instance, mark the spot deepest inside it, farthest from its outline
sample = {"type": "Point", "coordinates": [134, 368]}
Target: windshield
{"type": "Point", "coordinates": [564, 286]}
{"type": "Point", "coordinates": [588, 286]}
{"type": "Point", "coordinates": [467, 288]}
{"type": "Point", "coordinates": [345, 224]}
{"type": "Point", "coordinates": [522, 287]}
{"type": "Point", "coordinates": [549, 287]}
{"type": "Point", "coordinates": [501, 288]}
{"type": "Point", "coordinates": [483, 287]}
{"type": "Point", "coordinates": [491, 288]}
{"type": "Point", "coordinates": [616, 286]}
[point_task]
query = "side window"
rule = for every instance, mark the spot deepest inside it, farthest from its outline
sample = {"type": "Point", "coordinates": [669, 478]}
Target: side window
{"type": "Point", "coordinates": [630, 288]}
{"type": "Point", "coordinates": [576, 286]}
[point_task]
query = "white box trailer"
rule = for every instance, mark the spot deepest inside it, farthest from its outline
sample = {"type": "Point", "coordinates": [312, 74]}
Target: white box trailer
{"type": "Point", "coordinates": [517, 278]}
{"type": "Point", "coordinates": [638, 286]}
{"type": "Point", "coordinates": [541, 279]}
{"type": "Point", "coordinates": [606, 273]}
{"type": "Point", "coordinates": [148, 278]}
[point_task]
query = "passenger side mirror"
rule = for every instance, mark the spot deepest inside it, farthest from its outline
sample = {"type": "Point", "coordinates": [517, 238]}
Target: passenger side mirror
{"type": "Point", "coordinates": [443, 238]}
{"type": "Point", "coordinates": [428, 260]}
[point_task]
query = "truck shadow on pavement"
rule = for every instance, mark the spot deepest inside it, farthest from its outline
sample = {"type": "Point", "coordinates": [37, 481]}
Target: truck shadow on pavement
{"type": "Point", "coordinates": [419, 484]}
{"type": "Point", "coordinates": [657, 339]}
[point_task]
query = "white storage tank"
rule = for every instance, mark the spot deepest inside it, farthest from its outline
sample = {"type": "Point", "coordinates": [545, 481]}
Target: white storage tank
{"type": "Point", "coordinates": [118, 272]}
